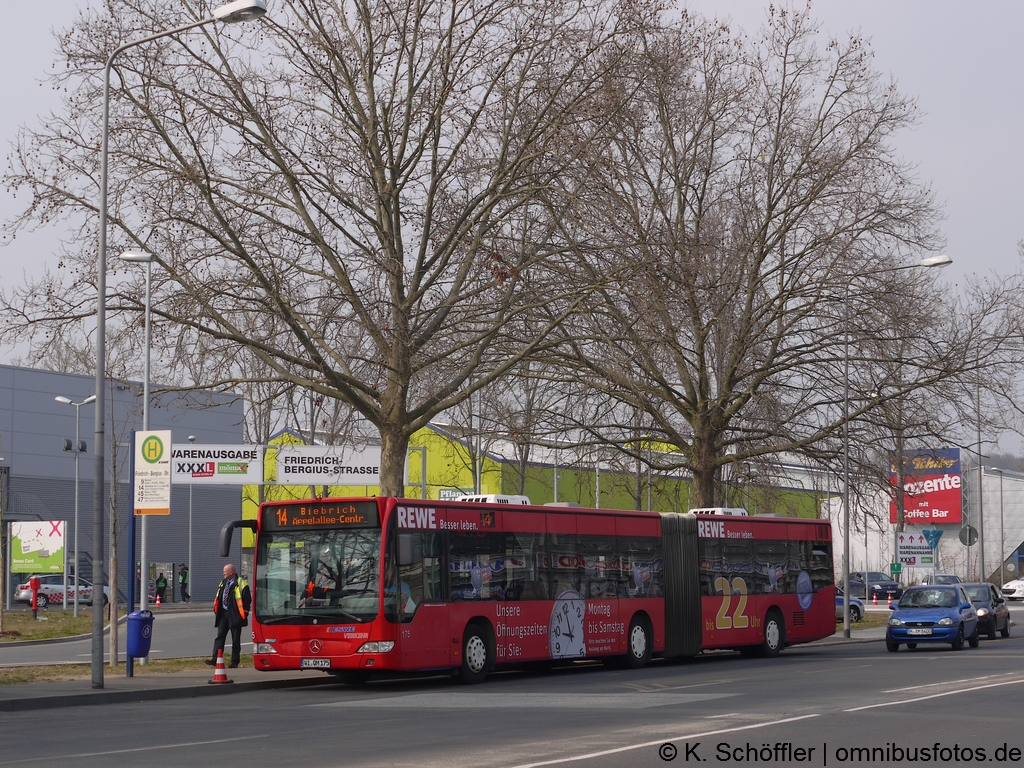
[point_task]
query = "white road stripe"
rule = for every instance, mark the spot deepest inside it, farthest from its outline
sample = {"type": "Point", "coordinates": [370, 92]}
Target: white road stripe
{"type": "Point", "coordinates": [659, 742]}
{"type": "Point", "coordinates": [945, 682]}
{"type": "Point", "coordinates": [54, 758]}
{"type": "Point", "coordinates": [933, 696]}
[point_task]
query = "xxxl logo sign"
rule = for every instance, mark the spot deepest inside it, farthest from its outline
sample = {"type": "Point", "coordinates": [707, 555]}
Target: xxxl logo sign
{"type": "Point", "coordinates": [196, 468]}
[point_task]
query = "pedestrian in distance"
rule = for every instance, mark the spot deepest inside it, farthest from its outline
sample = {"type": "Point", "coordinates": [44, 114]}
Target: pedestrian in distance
{"type": "Point", "coordinates": [161, 588]}
{"type": "Point", "coordinates": [183, 584]}
{"type": "Point", "coordinates": [231, 611]}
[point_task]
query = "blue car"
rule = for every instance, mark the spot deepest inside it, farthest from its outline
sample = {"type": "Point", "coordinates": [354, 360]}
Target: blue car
{"type": "Point", "coordinates": [933, 614]}
{"type": "Point", "coordinates": [856, 607]}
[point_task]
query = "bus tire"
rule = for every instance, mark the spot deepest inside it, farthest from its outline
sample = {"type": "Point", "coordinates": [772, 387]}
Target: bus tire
{"type": "Point", "coordinates": [774, 634]}
{"type": "Point", "coordinates": [476, 655]}
{"type": "Point", "coordinates": [638, 643]}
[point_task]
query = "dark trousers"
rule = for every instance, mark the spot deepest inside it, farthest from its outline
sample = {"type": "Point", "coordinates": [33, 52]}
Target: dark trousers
{"type": "Point", "coordinates": [185, 597]}
{"type": "Point", "coordinates": [223, 627]}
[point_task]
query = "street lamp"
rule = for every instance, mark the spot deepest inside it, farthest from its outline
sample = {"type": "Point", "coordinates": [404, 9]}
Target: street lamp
{"type": "Point", "coordinates": [191, 440]}
{"type": "Point", "coordinates": [79, 447]}
{"type": "Point", "coordinates": [229, 13]}
{"type": "Point", "coordinates": [1002, 536]}
{"type": "Point", "coordinates": [928, 261]}
{"type": "Point", "coordinates": [142, 257]}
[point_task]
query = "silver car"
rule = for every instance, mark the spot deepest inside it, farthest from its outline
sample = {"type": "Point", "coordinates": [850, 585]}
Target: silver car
{"type": "Point", "coordinates": [51, 591]}
{"type": "Point", "coordinates": [1014, 590]}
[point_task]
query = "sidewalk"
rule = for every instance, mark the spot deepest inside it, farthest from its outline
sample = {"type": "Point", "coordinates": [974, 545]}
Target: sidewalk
{"type": "Point", "coordinates": [869, 635]}
{"type": "Point", "coordinates": [119, 689]}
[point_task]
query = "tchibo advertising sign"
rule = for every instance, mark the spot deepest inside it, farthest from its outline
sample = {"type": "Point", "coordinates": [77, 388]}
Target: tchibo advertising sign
{"type": "Point", "coordinates": [931, 486]}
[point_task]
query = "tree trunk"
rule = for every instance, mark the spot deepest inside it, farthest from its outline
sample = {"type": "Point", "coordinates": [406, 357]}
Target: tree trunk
{"type": "Point", "coordinates": [703, 487]}
{"type": "Point", "coordinates": [112, 605]}
{"type": "Point", "coordinates": [394, 444]}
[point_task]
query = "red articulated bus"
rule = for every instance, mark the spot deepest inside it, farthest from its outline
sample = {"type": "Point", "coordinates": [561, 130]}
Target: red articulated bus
{"type": "Point", "coordinates": [353, 586]}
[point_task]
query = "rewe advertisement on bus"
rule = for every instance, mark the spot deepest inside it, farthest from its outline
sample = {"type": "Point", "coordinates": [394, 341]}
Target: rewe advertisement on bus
{"type": "Point", "coordinates": [931, 486]}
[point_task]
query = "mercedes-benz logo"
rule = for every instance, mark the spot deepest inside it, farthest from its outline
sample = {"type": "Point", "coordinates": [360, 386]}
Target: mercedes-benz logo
{"type": "Point", "coordinates": [314, 646]}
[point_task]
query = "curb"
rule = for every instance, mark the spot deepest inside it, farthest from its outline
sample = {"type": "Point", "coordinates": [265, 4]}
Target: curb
{"type": "Point", "coordinates": [152, 694]}
{"type": "Point", "coordinates": [55, 640]}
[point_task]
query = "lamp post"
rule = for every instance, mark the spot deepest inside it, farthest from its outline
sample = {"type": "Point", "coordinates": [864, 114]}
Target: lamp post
{"type": "Point", "coordinates": [927, 262]}
{"type": "Point", "coordinates": [78, 448]}
{"type": "Point", "coordinates": [1002, 532]}
{"type": "Point", "coordinates": [142, 257]}
{"type": "Point", "coordinates": [229, 13]}
{"type": "Point", "coordinates": [191, 440]}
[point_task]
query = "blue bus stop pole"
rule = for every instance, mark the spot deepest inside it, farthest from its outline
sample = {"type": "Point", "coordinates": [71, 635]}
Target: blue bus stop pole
{"type": "Point", "coordinates": [129, 667]}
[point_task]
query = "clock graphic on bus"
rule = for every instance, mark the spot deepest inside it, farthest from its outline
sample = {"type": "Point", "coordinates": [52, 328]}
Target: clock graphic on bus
{"type": "Point", "coordinates": [565, 632]}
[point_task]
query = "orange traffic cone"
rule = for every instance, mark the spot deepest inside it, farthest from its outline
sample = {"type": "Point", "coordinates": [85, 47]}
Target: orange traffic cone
{"type": "Point", "coordinates": [874, 598]}
{"type": "Point", "coordinates": [889, 603]}
{"type": "Point", "coordinates": [220, 675]}
{"type": "Point", "coordinates": [157, 599]}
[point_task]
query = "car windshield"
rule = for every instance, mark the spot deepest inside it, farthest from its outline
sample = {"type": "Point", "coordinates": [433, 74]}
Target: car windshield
{"type": "Point", "coordinates": [980, 594]}
{"type": "Point", "coordinates": [929, 598]}
{"type": "Point", "coordinates": [876, 576]}
{"type": "Point", "coordinates": [945, 579]}
{"type": "Point", "coordinates": [318, 575]}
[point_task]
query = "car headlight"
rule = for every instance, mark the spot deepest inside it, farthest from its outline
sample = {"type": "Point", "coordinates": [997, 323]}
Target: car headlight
{"type": "Point", "coordinates": [894, 622]}
{"type": "Point", "coordinates": [983, 612]}
{"type": "Point", "coordinates": [945, 622]}
{"type": "Point", "coordinates": [876, 586]}
{"type": "Point", "coordinates": [265, 648]}
{"type": "Point", "coordinates": [376, 646]}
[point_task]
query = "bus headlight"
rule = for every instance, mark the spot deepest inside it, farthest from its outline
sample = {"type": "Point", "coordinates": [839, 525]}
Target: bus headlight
{"type": "Point", "coordinates": [376, 646]}
{"type": "Point", "coordinates": [265, 648]}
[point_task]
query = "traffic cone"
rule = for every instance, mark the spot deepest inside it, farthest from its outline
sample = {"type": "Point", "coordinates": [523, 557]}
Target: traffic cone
{"type": "Point", "coordinates": [157, 599]}
{"type": "Point", "coordinates": [220, 674]}
{"type": "Point", "coordinates": [874, 598]}
{"type": "Point", "coordinates": [889, 603]}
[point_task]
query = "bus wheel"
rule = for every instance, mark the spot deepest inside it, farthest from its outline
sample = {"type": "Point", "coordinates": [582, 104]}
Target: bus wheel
{"type": "Point", "coordinates": [774, 634]}
{"type": "Point", "coordinates": [638, 643]}
{"type": "Point", "coordinates": [475, 656]}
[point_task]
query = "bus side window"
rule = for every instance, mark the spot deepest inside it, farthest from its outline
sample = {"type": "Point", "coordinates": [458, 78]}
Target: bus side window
{"type": "Point", "coordinates": [524, 581]}
{"type": "Point", "coordinates": [419, 574]}
{"type": "Point", "coordinates": [476, 562]}
{"type": "Point", "coordinates": [821, 564]}
{"type": "Point", "coordinates": [600, 582]}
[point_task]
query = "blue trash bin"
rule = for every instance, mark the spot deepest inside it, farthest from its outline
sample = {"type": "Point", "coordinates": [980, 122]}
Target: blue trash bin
{"type": "Point", "coordinates": [140, 633]}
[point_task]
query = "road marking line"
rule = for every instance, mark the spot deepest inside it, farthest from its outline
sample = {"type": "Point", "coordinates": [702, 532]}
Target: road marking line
{"type": "Point", "coordinates": [659, 742]}
{"type": "Point", "coordinates": [933, 696]}
{"type": "Point", "coordinates": [946, 682]}
{"type": "Point", "coordinates": [130, 751]}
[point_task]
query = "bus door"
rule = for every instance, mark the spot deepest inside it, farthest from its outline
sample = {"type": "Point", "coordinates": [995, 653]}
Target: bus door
{"type": "Point", "coordinates": [413, 598]}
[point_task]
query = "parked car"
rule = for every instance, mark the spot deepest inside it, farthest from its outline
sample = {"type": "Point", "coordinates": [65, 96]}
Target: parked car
{"type": "Point", "coordinates": [993, 615]}
{"type": "Point", "coordinates": [51, 591]}
{"type": "Point", "coordinates": [856, 607]}
{"type": "Point", "coordinates": [933, 614]}
{"type": "Point", "coordinates": [1014, 590]}
{"type": "Point", "coordinates": [941, 578]}
{"type": "Point", "coordinates": [874, 585]}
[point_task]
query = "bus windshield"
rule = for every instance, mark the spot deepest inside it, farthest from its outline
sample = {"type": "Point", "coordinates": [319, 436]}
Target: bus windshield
{"type": "Point", "coordinates": [323, 575]}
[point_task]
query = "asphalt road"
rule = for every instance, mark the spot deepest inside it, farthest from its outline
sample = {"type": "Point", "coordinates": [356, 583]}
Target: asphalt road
{"type": "Point", "coordinates": [175, 635]}
{"type": "Point", "coordinates": [829, 699]}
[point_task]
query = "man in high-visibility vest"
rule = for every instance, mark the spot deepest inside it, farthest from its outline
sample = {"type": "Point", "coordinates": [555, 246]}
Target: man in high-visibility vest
{"type": "Point", "coordinates": [231, 609]}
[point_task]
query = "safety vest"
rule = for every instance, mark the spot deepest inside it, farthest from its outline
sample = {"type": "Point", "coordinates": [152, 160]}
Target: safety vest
{"type": "Point", "coordinates": [240, 584]}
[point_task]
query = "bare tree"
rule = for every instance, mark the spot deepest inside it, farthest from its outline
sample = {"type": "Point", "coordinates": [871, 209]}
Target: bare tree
{"type": "Point", "coordinates": [344, 194]}
{"type": "Point", "coordinates": [727, 215]}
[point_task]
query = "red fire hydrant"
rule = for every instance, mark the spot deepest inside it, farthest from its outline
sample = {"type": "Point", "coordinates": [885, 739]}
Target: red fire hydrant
{"type": "Point", "coordinates": [34, 583]}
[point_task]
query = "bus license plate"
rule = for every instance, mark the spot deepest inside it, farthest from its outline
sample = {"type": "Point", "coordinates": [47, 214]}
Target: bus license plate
{"type": "Point", "coordinates": [926, 631]}
{"type": "Point", "coordinates": [316, 663]}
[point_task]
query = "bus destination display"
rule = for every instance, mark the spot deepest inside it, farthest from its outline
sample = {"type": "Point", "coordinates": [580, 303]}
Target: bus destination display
{"type": "Point", "coordinates": [353, 514]}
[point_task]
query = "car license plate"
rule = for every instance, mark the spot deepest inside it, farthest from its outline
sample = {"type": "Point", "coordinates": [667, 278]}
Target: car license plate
{"type": "Point", "coordinates": [926, 631]}
{"type": "Point", "coordinates": [316, 663]}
